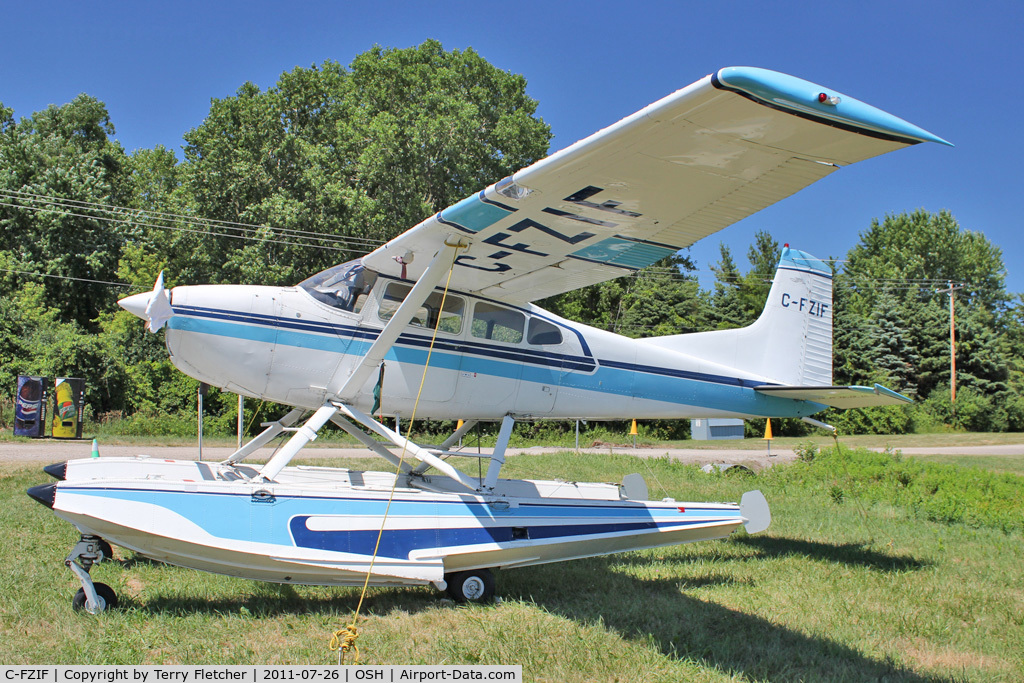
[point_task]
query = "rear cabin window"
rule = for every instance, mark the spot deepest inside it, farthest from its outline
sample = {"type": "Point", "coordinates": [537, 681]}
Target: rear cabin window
{"type": "Point", "coordinates": [426, 315]}
{"type": "Point", "coordinates": [543, 333]}
{"type": "Point", "coordinates": [498, 323]}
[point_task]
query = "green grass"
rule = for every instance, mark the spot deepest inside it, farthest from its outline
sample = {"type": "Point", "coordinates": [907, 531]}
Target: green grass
{"type": "Point", "coordinates": [934, 491]}
{"type": "Point", "coordinates": [893, 441]}
{"type": "Point", "coordinates": [1013, 464]}
{"type": "Point", "coordinates": [861, 589]}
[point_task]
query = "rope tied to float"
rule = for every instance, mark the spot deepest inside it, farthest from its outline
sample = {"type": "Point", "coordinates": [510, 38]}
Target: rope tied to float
{"type": "Point", "coordinates": [344, 640]}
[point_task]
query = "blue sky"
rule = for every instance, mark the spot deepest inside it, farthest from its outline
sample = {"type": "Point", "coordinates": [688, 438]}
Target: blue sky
{"type": "Point", "coordinates": [950, 68]}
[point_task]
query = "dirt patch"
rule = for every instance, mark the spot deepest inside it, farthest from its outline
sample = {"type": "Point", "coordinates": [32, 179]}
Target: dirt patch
{"type": "Point", "coordinates": [927, 655]}
{"type": "Point", "coordinates": [134, 587]}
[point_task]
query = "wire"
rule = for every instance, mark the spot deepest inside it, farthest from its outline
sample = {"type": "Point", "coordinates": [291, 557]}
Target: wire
{"type": "Point", "coordinates": [144, 218]}
{"type": "Point", "coordinates": [67, 277]}
{"type": "Point", "coordinates": [111, 208]}
{"type": "Point", "coordinates": [178, 229]}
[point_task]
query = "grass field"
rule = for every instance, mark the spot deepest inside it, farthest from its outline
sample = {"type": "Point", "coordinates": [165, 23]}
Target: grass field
{"type": "Point", "coordinates": [840, 588]}
{"type": "Point", "coordinates": [893, 441]}
{"type": "Point", "coordinates": [993, 463]}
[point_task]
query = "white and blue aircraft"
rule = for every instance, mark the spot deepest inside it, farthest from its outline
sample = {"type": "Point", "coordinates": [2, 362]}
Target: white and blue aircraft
{"type": "Point", "coordinates": [446, 308]}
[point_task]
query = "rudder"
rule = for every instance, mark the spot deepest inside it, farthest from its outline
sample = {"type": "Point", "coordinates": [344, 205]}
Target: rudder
{"type": "Point", "coordinates": [791, 341]}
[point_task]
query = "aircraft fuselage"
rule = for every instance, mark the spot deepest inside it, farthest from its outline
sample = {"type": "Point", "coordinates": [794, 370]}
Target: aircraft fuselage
{"type": "Point", "coordinates": [282, 344]}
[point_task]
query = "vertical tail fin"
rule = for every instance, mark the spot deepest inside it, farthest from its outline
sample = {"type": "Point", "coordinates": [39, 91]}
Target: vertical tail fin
{"type": "Point", "coordinates": [796, 323]}
{"type": "Point", "coordinates": [790, 343]}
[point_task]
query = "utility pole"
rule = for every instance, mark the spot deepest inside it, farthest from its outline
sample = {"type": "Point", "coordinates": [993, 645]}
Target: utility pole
{"type": "Point", "coordinates": [952, 341]}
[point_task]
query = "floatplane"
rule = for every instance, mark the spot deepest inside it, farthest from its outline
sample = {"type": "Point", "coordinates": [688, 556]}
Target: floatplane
{"type": "Point", "coordinates": [446, 309]}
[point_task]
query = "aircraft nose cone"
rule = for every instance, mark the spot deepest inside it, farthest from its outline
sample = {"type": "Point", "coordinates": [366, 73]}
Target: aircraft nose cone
{"type": "Point", "coordinates": [44, 494]}
{"type": "Point", "coordinates": [57, 470]}
{"type": "Point", "coordinates": [136, 304]}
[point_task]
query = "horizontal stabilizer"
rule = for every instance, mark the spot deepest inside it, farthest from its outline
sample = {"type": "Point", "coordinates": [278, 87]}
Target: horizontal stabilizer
{"type": "Point", "coordinates": [840, 397]}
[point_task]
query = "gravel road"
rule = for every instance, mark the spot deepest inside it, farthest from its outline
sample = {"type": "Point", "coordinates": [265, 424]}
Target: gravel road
{"type": "Point", "coordinates": [46, 451]}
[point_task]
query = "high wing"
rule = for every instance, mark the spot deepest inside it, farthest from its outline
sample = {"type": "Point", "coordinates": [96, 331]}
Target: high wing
{"type": "Point", "coordinates": [678, 170]}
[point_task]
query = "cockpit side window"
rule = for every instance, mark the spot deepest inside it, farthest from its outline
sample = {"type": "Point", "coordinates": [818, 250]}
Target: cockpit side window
{"type": "Point", "coordinates": [426, 315]}
{"type": "Point", "coordinates": [344, 286]}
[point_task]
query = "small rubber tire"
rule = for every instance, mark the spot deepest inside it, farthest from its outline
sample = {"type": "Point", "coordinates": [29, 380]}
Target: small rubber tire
{"type": "Point", "coordinates": [105, 593]}
{"type": "Point", "coordinates": [107, 550]}
{"type": "Point", "coordinates": [475, 585]}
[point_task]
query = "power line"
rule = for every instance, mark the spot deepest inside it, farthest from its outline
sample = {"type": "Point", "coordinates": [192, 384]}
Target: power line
{"type": "Point", "coordinates": [176, 229]}
{"type": "Point", "coordinates": [144, 218]}
{"type": "Point", "coordinates": [111, 208]}
{"type": "Point", "coordinates": [67, 277]}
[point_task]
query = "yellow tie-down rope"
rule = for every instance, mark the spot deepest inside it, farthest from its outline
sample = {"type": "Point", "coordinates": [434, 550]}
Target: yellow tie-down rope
{"type": "Point", "coordinates": [344, 639]}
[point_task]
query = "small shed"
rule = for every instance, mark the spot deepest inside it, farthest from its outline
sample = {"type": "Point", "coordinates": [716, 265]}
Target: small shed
{"type": "Point", "coordinates": [710, 428]}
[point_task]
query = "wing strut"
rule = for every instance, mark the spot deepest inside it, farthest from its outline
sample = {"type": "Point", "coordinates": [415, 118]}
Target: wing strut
{"type": "Point", "coordinates": [443, 260]}
{"type": "Point", "coordinates": [430, 278]}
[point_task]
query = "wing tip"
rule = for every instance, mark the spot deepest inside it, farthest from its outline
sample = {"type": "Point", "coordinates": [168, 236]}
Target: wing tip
{"type": "Point", "coordinates": [804, 98]}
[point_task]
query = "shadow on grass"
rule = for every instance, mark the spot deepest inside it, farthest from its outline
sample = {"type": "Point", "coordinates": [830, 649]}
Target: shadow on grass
{"type": "Point", "coordinates": [655, 610]}
{"type": "Point", "coordinates": [852, 554]}
{"type": "Point", "coordinates": [683, 627]}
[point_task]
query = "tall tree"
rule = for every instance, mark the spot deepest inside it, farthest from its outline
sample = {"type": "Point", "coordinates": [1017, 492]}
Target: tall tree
{"type": "Point", "coordinates": [65, 153]}
{"type": "Point", "coordinates": [727, 300]}
{"type": "Point", "coordinates": [764, 255]}
{"type": "Point", "coordinates": [663, 300]}
{"type": "Point", "coordinates": [739, 299]}
{"type": "Point", "coordinates": [919, 250]}
{"type": "Point", "coordinates": [893, 319]}
{"type": "Point", "coordinates": [891, 358]}
{"type": "Point", "coordinates": [362, 153]}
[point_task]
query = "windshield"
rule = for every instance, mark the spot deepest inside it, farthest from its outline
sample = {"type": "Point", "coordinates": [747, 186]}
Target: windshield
{"type": "Point", "coordinates": [344, 286]}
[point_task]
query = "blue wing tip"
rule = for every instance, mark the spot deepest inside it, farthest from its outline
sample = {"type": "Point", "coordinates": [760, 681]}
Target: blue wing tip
{"type": "Point", "coordinates": [802, 97]}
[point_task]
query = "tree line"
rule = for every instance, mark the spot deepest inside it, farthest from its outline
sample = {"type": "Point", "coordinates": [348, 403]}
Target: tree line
{"type": "Point", "coordinates": [331, 161]}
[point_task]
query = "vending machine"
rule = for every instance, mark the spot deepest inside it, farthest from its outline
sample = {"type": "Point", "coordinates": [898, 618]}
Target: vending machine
{"type": "Point", "coordinates": [69, 409]}
{"type": "Point", "coordinates": [30, 406]}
